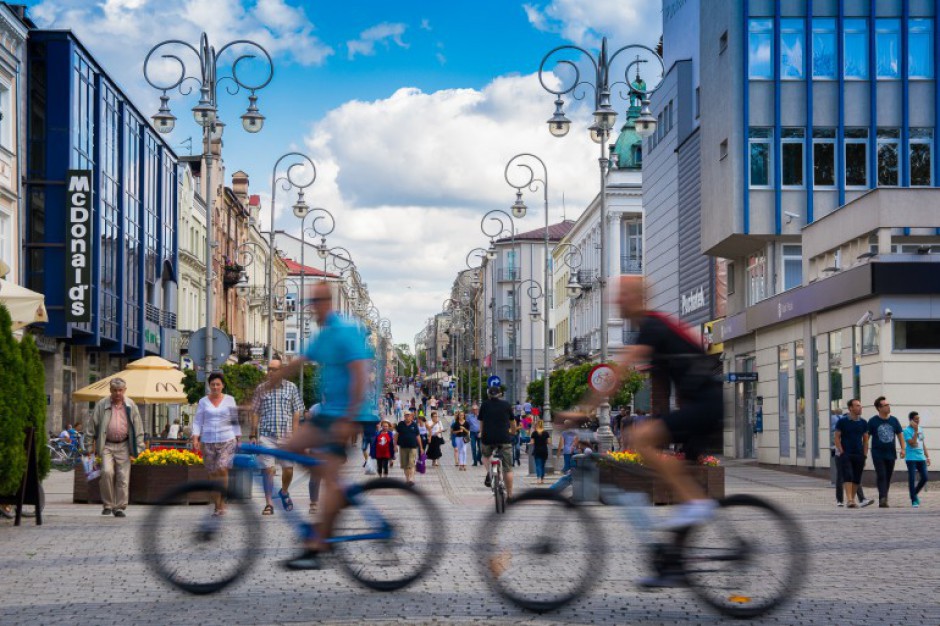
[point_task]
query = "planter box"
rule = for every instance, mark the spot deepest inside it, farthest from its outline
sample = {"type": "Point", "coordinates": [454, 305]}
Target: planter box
{"type": "Point", "coordinates": [637, 478]}
{"type": "Point", "coordinates": [148, 483]}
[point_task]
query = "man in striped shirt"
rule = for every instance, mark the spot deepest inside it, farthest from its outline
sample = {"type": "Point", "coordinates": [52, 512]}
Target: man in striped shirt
{"type": "Point", "coordinates": [276, 416]}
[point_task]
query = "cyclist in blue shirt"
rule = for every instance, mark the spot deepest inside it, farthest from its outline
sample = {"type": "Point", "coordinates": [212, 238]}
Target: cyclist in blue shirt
{"type": "Point", "coordinates": [345, 363]}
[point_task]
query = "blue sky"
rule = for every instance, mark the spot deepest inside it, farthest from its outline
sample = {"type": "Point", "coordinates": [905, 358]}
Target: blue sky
{"type": "Point", "coordinates": [410, 109]}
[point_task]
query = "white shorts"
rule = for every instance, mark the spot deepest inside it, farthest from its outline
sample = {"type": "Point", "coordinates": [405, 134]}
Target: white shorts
{"type": "Point", "coordinates": [267, 461]}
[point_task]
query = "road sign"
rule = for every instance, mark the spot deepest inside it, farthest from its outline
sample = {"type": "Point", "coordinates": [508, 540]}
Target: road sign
{"type": "Point", "coordinates": [602, 379]}
{"type": "Point", "coordinates": [494, 381]}
{"type": "Point", "coordinates": [221, 347]}
{"type": "Point", "coordinates": [453, 384]}
{"type": "Point", "coordinates": [742, 377]}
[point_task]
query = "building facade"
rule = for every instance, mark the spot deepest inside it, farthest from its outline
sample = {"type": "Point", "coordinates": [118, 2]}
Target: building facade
{"type": "Point", "coordinates": [807, 109]}
{"type": "Point", "coordinates": [192, 235]}
{"type": "Point", "coordinates": [13, 33]}
{"type": "Point", "coordinates": [101, 222]}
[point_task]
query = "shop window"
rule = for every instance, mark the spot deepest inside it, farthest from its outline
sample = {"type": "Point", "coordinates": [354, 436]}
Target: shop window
{"type": "Point", "coordinates": [916, 334]}
{"type": "Point", "coordinates": [783, 398]}
{"type": "Point", "coordinates": [920, 158]}
{"type": "Point", "coordinates": [824, 47]}
{"type": "Point", "coordinates": [855, 42]}
{"type": "Point", "coordinates": [920, 53]}
{"type": "Point", "coordinates": [856, 157]}
{"type": "Point", "coordinates": [824, 157]}
{"type": "Point", "coordinates": [870, 334]}
{"type": "Point", "coordinates": [888, 149]}
{"type": "Point", "coordinates": [760, 161]}
{"type": "Point", "coordinates": [791, 149]}
{"type": "Point", "coordinates": [792, 46]}
{"type": "Point", "coordinates": [888, 47]}
{"type": "Point", "coordinates": [799, 407]}
{"type": "Point", "coordinates": [760, 48]}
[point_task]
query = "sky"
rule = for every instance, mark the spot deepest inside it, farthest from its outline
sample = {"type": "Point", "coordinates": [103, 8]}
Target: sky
{"type": "Point", "coordinates": [409, 109]}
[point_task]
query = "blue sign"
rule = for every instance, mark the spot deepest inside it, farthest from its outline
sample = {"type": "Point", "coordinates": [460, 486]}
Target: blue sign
{"type": "Point", "coordinates": [493, 381]}
{"type": "Point", "coordinates": [453, 384]}
{"type": "Point", "coordinates": [742, 377]}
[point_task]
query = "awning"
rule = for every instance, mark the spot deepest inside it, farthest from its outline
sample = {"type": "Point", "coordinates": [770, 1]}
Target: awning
{"type": "Point", "coordinates": [25, 306]}
{"type": "Point", "coordinates": [436, 376]}
{"type": "Point", "coordinates": [150, 380]}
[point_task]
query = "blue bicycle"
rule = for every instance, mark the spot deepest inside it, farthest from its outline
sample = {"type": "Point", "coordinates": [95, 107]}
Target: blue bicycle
{"type": "Point", "coordinates": [381, 537]}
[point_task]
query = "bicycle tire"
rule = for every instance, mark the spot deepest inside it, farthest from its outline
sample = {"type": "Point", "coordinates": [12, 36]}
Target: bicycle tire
{"type": "Point", "coordinates": [547, 548]}
{"type": "Point", "coordinates": [417, 511]}
{"type": "Point", "coordinates": [792, 547]}
{"type": "Point", "coordinates": [500, 493]}
{"type": "Point", "coordinates": [239, 516]}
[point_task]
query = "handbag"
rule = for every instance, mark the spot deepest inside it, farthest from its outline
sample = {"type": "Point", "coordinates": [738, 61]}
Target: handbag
{"type": "Point", "coordinates": [371, 467]}
{"type": "Point", "coordinates": [421, 465]}
{"type": "Point", "coordinates": [466, 438]}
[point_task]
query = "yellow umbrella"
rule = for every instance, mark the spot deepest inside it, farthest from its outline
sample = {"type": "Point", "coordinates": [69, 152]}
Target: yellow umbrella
{"type": "Point", "coordinates": [25, 306]}
{"type": "Point", "coordinates": [150, 380]}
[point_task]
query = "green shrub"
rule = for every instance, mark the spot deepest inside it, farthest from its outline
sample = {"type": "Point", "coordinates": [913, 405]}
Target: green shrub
{"type": "Point", "coordinates": [34, 380]}
{"type": "Point", "coordinates": [12, 409]}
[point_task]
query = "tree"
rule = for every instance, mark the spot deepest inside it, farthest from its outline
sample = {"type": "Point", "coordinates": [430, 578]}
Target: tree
{"type": "Point", "coordinates": [12, 408]}
{"type": "Point", "coordinates": [568, 387]}
{"type": "Point", "coordinates": [241, 380]}
{"type": "Point", "coordinates": [34, 381]}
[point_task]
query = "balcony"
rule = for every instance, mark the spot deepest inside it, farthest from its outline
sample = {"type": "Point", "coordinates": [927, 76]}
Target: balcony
{"type": "Point", "coordinates": [631, 265]}
{"type": "Point", "coordinates": [507, 315]}
{"type": "Point", "coordinates": [505, 353]}
{"type": "Point", "coordinates": [152, 314]}
{"type": "Point", "coordinates": [581, 347]}
{"type": "Point", "coordinates": [507, 274]}
{"type": "Point", "coordinates": [169, 320]}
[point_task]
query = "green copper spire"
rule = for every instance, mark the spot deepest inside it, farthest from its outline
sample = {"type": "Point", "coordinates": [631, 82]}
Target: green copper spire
{"type": "Point", "coordinates": [629, 146]}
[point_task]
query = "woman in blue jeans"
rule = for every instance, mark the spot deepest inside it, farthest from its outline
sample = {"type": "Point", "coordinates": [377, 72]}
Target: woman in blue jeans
{"type": "Point", "coordinates": [541, 441]}
{"type": "Point", "coordinates": [567, 445]}
{"type": "Point", "coordinates": [917, 457]}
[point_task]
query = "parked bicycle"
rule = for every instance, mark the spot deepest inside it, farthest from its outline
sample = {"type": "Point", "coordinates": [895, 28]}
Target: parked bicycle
{"type": "Point", "coordinates": [744, 563]}
{"type": "Point", "coordinates": [64, 455]}
{"type": "Point", "coordinates": [380, 537]}
{"type": "Point", "coordinates": [497, 480]}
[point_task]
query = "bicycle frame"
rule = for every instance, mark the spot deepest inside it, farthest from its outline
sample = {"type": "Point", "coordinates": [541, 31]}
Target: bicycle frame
{"type": "Point", "coordinates": [245, 460]}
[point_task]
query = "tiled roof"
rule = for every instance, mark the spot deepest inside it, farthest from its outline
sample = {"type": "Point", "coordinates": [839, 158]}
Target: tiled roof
{"type": "Point", "coordinates": [294, 268]}
{"type": "Point", "coordinates": [555, 233]}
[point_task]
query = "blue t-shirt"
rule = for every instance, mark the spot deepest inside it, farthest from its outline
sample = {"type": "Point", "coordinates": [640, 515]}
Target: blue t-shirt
{"type": "Point", "coordinates": [883, 432]}
{"type": "Point", "coordinates": [473, 423]}
{"type": "Point", "coordinates": [339, 343]}
{"type": "Point", "coordinates": [853, 432]}
{"type": "Point", "coordinates": [567, 441]}
{"type": "Point", "coordinates": [915, 452]}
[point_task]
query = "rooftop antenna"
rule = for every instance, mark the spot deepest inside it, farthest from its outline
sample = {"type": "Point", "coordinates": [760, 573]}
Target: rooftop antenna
{"type": "Point", "coordinates": [188, 142]}
{"type": "Point", "coordinates": [564, 211]}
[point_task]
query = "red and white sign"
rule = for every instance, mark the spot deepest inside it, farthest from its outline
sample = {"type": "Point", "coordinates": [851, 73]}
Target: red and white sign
{"type": "Point", "coordinates": [602, 379]}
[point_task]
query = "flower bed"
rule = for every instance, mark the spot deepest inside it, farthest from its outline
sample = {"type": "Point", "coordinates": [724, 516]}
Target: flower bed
{"type": "Point", "coordinates": [626, 471]}
{"type": "Point", "coordinates": [153, 473]}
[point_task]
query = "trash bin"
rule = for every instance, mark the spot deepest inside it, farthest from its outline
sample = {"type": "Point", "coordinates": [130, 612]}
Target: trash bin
{"type": "Point", "coordinates": [240, 481]}
{"type": "Point", "coordinates": [585, 483]}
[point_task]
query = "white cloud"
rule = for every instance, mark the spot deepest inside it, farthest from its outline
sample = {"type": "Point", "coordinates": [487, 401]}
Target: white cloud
{"type": "Point", "coordinates": [410, 176]}
{"type": "Point", "coordinates": [425, 24]}
{"type": "Point", "coordinates": [380, 33]}
{"type": "Point", "coordinates": [584, 22]}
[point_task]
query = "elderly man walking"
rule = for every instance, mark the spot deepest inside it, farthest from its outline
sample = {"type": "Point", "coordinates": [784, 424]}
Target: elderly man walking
{"type": "Point", "coordinates": [277, 414]}
{"type": "Point", "coordinates": [115, 433]}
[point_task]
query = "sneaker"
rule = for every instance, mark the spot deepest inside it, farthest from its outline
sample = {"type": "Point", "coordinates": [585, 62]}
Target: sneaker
{"type": "Point", "coordinates": [306, 560]}
{"type": "Point", "coordinates": [840, 504]}
{"type": "Point", "coordinates": [662, 581]}
{"type": "Point", "coordinates": [488, 482]}
{"type": "Point", "coordinates": [917, 500]}
{"type": "Point", "coordinates": [915, 504]}
{"type": "Point", "coordinates": [692, 513]}
{"type": "Point", "coordinates": [106, 511]}
{"type": "Point", "coordinates": [867, 502]}
{"type": "Point", "coordinates": [119, 513]}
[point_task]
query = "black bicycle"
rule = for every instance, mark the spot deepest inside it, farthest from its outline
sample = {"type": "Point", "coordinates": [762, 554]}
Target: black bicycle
{"type": "Point", "coordinates": [750, 558]}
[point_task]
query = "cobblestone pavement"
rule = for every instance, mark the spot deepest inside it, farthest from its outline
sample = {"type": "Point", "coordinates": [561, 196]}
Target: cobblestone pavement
{"type": "Point", "coordinates": [867, 566]}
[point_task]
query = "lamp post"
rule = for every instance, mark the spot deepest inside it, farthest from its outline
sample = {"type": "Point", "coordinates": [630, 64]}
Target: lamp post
{"type": "Point", "coordinates": [303, 212]}
{"type": "Point", "coordinates": [206, 115]}
{"type": "Point", "coordinates": [480, 283]}
{"type": "Point", "coordinates": [504, 225]}
{"type": "Point", "coordinates": [286, 181]}
{"type": "Point", "coordinates": [604, 119]}
{"type": "Point", "coordinates": [535, 292]}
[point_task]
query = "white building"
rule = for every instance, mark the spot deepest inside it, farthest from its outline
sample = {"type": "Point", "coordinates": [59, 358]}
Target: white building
{"type": "Point", "coordinates": [192, 243]}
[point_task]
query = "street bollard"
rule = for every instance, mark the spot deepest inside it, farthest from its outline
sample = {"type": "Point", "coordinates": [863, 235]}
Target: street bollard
{"type": "Point", "coordinates": [585, 484]}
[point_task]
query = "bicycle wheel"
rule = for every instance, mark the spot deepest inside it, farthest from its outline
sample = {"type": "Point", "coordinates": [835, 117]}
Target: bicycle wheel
{"type": "Point", "coordinates": [748, 560]}
{"type": "Point", "coordinates": [542, 552]}
{"type": "Point", "coordinates": [414, 545]}
{"type": "Point", "coordinates": [193, 550]}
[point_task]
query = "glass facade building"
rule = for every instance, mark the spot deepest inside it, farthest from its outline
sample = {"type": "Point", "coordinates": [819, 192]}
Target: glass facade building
{"type": "Point", "coordinates": [78, 118]}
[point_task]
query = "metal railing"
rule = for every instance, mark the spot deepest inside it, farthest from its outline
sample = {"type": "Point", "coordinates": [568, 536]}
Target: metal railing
{"type": "Point", "coordinates": [152, 314]}
{"type": "Point", "coordinates": [631, 265]}
{"type": "Point", "coordinates": [507, 274]}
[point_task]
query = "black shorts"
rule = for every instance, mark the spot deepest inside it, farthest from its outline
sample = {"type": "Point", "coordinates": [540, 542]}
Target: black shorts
{"type": "Point", "coordinates": [330, 444]}
{"type": "Point", "coordinates": [852, 467]}
{"type": "Point", "coordinates": [698, 421]}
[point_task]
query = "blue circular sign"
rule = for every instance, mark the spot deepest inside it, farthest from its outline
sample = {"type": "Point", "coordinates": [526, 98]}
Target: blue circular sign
{"type": "Point", "coordinates": [493, 381]}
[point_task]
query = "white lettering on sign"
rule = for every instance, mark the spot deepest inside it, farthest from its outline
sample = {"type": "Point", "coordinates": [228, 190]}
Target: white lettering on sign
{"type": "Point", "coordinates": [78, 243]}
{"type": "Point", "coordinates": [783, 308]}
{"type": "Point", "coordinates": [694, 301]}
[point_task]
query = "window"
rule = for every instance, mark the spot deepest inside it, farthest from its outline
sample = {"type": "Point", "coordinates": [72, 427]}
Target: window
{"type": "Point", "coordinates": [783, 398]}
{"type": "Point", "coordinates": [6, 117]}
{"type": "Point", "coordinates": [888, 48]}
{"type": "Point", "coordinates": [920, 48]}
{"type": "Point", "coordinates": [856, 157]}
{"type": "Point", "coordinates": [670, 116]}
{"type": "Point", "coordinates": [659, 126]}
{"type": "Point", "coordinates": [723, 42]}
{"type": "Point", "coordinates": [290, 342]}
{"type": "Point", "coordinates": [916, 334]}
{"type": "Point", "coordinates": [792, 45]}
{"type": "Point", "coordinates": [888, 149]}
{"type": "Point", "coordinates": [855, 41]}
{"type": "Point", "coordinates": [824, 48]}
{"type": "Point", "coordinates": [729, 268]}
{"type": "Point", "coordinates": [723, 149]}
{"type": "Point", "coordinates": [919, 159]}
{"type": "Point", "coordinates": [870, 333]}
{"type": "Point", "coordinates": [760, 41]}
{"type": "Point", "coordinates": [824, 157]}
{"type": "Point", "coordinates": [759, 146]}
{"type": "Point", "coordinates": [756, 271]}
{"type": "Point", "coordinates": [835, 373]}
{"type": "Point", "coordinates": [792, 156]}
{"type": "Point", "coordinates": [792, 262]}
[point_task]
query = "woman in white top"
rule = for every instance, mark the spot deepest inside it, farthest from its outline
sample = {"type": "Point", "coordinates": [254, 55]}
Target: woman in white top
{"type": "Point", "coordinates": [437, 439]}
{"type": "Point", "coordinates": [174, 430]}
{"type": "Point", "coordinates": [216, 432]}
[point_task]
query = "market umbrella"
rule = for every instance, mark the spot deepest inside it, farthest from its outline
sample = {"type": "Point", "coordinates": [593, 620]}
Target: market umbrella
{"type": "Point", "coordinates": [25, 306]}
{"type": "Point", "coordinates": [150, 380]}
{"type": "Point", "coordinates": [436, 376]}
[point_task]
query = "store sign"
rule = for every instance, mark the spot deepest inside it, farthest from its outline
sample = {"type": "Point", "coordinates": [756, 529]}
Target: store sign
{"type": "Point", "coordinates": [78, 247]}
{"type": "Point", "coordinates": [693, 301]}
{"type": "Point", "coordinates": [151, 337]}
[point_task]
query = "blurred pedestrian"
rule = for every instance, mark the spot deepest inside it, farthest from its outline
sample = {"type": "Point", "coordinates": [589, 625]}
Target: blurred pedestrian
{"type": "Point", "coordinates": [216, 432]}
{"type": "Point", "coordinates": [436, 441]}
{"type": "Point", "coordinates": [854, 408]}
{"type": "Point", "coordinates": [382, 448]}
{"type": "Point", "coordinates": [473, 423]}
{"type": "Point", "coordinates": [541, 441]}
{"type": "Point", "coordinates": [408, 443]}
{"type": "Point", "coordinates": [852, 448]}
{"type": "Point", "coordinates": [883, 429]}
{"type": "Point", "coordinates": [423, 431]}
{"type": "Point", "coordinates": [461, 433]}
{"type": "Point", "coordinates": [917, 457]}
{"type": "Point", "coordinates": [567, 444]}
